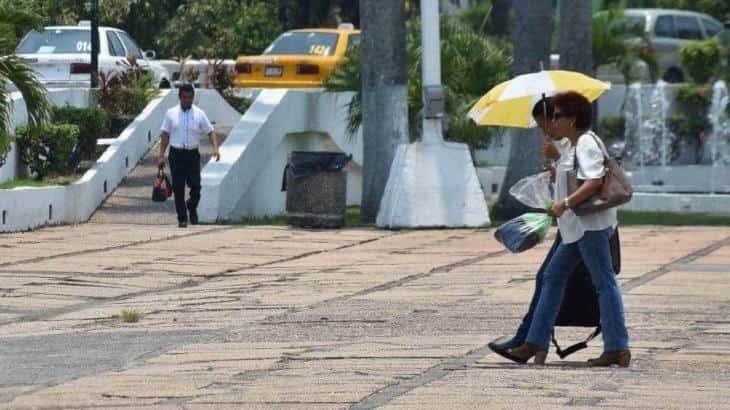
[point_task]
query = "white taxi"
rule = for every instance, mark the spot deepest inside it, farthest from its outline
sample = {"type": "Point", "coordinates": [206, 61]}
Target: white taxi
{"type": "Point", "coordinates": [61, 55]}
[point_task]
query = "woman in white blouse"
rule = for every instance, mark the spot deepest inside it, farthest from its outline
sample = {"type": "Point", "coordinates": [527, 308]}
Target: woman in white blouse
{"type": "Point", "coordinates": [584, 238]}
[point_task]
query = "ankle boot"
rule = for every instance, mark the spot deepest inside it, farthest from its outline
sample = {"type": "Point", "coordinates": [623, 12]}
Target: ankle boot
{"type": "Point", "coordinates": [523, 353]}
{"type": "Point", "coordinates": [622, 358]}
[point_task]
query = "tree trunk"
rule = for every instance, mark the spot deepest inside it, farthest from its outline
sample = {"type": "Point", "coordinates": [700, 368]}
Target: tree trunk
{"type": "Point", "coordinates": [500, 17]}
{"type": "Point", "coordinates": [531, 36]}
{"type": "Point", "coordinates": [575, 43]}
{"type": "Point", "coordinates": [384, 103]}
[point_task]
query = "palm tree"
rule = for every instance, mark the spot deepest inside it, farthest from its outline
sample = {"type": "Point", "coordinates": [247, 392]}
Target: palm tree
{"type": "Point", "coordinates": [575, 40]}
{"type": "Point", "coordinates": [384, 96]}
{"type": "Point", "coordinates": [531, 37]}
{"type": "Point", "coordinates": [16, 74]}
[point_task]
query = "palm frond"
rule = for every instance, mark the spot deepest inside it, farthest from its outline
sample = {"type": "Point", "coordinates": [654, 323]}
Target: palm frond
{"type": "Point", "coordinates": [18, 73]}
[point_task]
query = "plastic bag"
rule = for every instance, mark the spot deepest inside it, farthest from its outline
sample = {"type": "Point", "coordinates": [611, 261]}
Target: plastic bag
{"type": "Point", "coordinates": [529, 229]}
{"type": "Point", "coordinates": [533, 191]}
{"type": "Point", "coordinates": [524, 232]}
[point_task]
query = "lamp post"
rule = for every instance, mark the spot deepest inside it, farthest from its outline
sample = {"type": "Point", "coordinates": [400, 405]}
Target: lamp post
{"type": "Point", "coordinates": [432, 183]}
{"type": "Point", "coordinates": [94, 43]}
{"type": "Point", "coordinates": [433, 93]}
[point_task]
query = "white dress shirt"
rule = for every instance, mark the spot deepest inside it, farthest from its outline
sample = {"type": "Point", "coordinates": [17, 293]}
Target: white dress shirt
{"type": "Point", "coordinates": [590, 166]}
{"type": "Point", "coordinates": [186, 127]}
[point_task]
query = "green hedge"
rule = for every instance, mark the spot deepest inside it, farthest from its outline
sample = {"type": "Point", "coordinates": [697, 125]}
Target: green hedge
{"type": "Point", "coordinates": [702, 59]}
{"type": "Point", "coordinates": [48, 150]}
{"type": "Point", "coordinates": [93, 123]}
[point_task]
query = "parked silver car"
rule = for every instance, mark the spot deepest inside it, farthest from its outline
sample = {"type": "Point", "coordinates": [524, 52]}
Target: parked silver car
{"type": "Point", "coordinates": [667, 30]}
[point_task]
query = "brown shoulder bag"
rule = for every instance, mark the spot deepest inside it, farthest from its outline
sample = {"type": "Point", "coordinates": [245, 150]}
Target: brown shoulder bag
{"type": "Point", "coordinates": [615, 188]}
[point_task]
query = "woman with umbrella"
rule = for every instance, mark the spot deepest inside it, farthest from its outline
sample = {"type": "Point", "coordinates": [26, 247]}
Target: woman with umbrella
{"type": "Point", "coordinates": [579, 306]}
{"type": "Point", "coordinates": [584, 239]}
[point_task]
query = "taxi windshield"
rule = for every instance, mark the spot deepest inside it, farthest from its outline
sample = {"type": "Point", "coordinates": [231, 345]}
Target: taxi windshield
{"type": "Point", "coordinates": [304, 43]}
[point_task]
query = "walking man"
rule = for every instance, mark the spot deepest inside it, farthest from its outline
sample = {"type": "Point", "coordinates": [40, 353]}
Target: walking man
{"type": "Point", "coordinates": [182, 129]}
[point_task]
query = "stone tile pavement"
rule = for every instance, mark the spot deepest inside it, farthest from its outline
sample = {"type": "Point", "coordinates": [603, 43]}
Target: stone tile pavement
{"type": "Point", "coordinates": [270, 317]}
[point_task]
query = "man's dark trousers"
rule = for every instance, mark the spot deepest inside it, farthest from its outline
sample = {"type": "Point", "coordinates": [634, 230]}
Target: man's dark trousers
{"type": "Point", "coordinates": [185, 169]}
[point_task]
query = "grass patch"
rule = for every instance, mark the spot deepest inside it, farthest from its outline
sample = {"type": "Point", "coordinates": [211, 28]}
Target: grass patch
{"type": "Point", "coordinates": [27, 182]}
{"type": "Point", "coordinates": [352, 219]}
{"type": "Point", "coordinates": [671, 218]}
{"type": "Point", "coordinates": [130, 316]}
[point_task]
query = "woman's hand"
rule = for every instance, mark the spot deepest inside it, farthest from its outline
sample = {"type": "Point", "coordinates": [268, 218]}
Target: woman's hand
{"type": "Point", "coordinates": [557, 209]}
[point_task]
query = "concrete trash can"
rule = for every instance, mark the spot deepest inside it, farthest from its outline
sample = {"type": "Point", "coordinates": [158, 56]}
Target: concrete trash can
{"type": "Point", "coordinates": [316, 189]}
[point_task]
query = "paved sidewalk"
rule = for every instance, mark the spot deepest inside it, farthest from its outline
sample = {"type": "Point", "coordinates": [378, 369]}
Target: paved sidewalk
{"type": "Point", "coordinates": [130, 202]}
{"type": "Point", "coordinates": [270, 317]}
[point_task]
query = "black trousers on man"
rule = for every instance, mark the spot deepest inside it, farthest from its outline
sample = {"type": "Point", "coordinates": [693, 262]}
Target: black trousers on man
{"type": "Point", "coordinates": [185, 169]}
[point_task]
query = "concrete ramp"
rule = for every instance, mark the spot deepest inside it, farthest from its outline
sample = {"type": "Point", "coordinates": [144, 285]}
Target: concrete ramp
{"type": "Point", "coordinates": [247, 181]}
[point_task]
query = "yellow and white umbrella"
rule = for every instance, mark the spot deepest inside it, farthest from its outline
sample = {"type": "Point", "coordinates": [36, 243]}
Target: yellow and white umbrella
{"type": "Point", "coordinates": [509, 104]}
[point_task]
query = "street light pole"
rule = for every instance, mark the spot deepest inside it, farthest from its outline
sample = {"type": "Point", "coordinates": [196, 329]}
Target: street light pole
{"type": "Point", "coordinates": [432, 183]}
{"type": "Point", "coordinates": [433, 94]}
{"type": "Point", "coordinates": [94, 43]}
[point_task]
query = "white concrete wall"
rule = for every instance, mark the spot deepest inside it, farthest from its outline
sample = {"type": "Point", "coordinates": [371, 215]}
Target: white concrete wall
{"type": "Point", "coordinates": [27, 208]}
{"type": "Point", "coordinates": [680, 203]}
{"type": "Point", "coordinates": [9, 170]}
{"type": "Point", "coordinates": [247, 180]}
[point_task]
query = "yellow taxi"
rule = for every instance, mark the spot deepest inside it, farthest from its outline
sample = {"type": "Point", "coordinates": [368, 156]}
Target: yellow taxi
{"type": "Point", "coordinates": [297, 58]}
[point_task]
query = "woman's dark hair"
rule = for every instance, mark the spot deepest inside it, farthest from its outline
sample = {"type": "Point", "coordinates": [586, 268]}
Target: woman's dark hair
{"type": "Point", "coordinates": [543, 108]}
{"type": "Point", "coordinates": [573, 104]}
{"type": "Point", "coordinates": [186, 88]}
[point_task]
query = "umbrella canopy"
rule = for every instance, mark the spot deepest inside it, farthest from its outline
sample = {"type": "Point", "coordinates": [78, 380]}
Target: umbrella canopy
{"type": "Point", "coordinates": [509, 104]}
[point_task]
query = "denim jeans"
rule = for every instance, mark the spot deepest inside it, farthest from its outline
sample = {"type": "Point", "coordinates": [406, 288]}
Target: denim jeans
{"type": "Point", "coordinates": [594, 249]}
{"type": "Point", "coordinates": [524, 328]}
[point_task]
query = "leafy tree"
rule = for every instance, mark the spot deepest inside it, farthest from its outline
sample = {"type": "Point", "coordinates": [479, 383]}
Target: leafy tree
{"type": "Point", "coordinates": [18, 17]}
{"type": "Point", "coordinates": [478, 17]}
{"type": "Point", "coordinates": [220, 28]}
{"type": "Point", "coordinates": [318, 13]}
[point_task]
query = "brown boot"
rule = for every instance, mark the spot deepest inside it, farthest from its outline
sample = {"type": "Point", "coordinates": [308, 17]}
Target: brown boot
{"type": "Point", "coordinates": [524, 352]}
{"type": "Point", "coordinates": [622, 358]}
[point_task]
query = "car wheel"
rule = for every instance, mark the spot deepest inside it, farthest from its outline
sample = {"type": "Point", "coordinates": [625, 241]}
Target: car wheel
{"type": "Point", "coordinates": [165, 83]}
{"type": "Point", "coordinates": [673, 75]}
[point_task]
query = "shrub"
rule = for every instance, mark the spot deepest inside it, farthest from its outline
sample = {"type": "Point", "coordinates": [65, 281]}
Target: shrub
{"type": "Point", "coordinates": [93, 123]}
{"type": "Point", "coordinates": [693, 102]}
{"type": "Point", "coordinates": [127, 93]}
{"type": "Point", "coordinates": [702, 59]}
{"type": "Point", "coordinates": [240, 104]}
{"type": "Point", "coordinates": [612, 128]}
{"type": "Point", "coordinates": [48, 149]}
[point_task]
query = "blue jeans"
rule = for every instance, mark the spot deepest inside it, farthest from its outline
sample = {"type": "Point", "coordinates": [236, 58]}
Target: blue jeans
{"type": "Point", "coordinates": [524, 328]}
{"type": "Point", "coordinates": [594, 249]}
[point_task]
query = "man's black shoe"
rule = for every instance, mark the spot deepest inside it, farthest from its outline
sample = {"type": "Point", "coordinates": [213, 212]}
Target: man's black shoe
{"type": "Point", "coordinates": [193, 216]}
{"type": "Point", "coordinates": [182, 224]}
{"type": "Point", "coordinates": [502, 345]}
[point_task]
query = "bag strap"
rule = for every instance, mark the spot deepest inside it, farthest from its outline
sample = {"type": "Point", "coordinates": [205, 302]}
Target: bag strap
{"type": "Point", "coordinates": [601, 146]}
{"type": "Point", "coordinates": [576, 347]}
